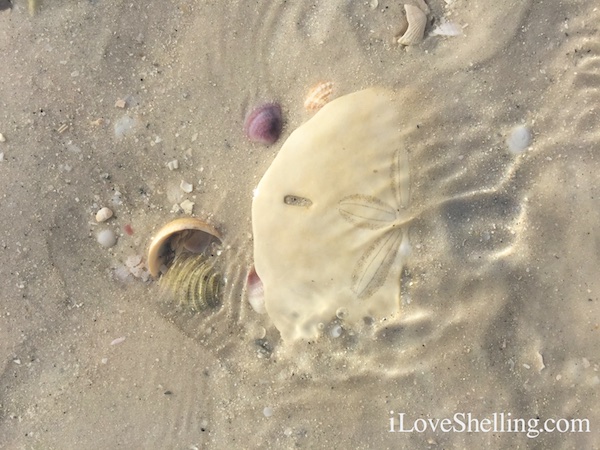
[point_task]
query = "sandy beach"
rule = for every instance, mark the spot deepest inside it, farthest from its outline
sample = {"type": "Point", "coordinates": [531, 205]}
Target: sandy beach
{"type": "Point", "coordinates": [500, 298]}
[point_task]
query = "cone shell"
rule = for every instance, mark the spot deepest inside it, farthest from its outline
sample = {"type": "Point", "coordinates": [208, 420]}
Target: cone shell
{"type": "Point", "coordinates": [318, 96]}
{"type": "Point", "coordinates": [193, 280]}
{"type": "Point", "coordinates": [186, 231]}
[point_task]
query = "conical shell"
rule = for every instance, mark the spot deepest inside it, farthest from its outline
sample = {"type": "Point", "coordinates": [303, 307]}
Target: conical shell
{"type": "Point", "coordinates": [193, 281]}
{"type": "Point", "coordinates": [182, 232]}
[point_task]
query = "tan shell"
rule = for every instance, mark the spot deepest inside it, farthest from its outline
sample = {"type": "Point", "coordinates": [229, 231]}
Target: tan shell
{"type": "Point", "coordinates": [417, 21]}
{"type": "Point", "coordinates": [183, 230]}
{"type": "Point", "coordinates": [318, 96]}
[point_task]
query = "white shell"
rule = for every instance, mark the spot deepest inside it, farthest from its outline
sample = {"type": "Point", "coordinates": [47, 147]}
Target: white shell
{"type": "Point", "coordinates": [447, 29]}
{"type": "Point", "coordinates": [519, 139]}
{"type": "Point", "coordinates": [187, 206]}
{"type": "Point", "coordinates": [417, 20]}
{"type": "Point", "coordinates": [157, 250]}
{"type": "Point", "coordinates": [186, 187]}
{"type": "Point", "coordinates": [103, 214]}
{"type": "Point", "coordinates": [106, 238]}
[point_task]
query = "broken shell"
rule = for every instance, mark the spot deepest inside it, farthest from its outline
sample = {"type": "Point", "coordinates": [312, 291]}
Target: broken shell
{"type": "Point", "coordinates": [417, 20]}
{"type": "Point", "coordinates": [318, 96]}
{"type": "Point", "coordinates": [186, 233]}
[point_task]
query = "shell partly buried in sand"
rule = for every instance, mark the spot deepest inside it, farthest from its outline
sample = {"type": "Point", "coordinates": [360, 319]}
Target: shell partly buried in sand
{"type": "Point", "coordinates": [318, 96]}
{"type": "Point", "coordinates": [183, 252]}
{"type": "Point", "coordinates": [416, 17]}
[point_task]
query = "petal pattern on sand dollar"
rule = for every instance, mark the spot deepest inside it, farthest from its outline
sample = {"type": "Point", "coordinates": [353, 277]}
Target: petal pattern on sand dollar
{"type": "Point", "coordinates": [373, 267]}
{"type": "Point", "coordinates": [365, 211]}
{"type": "Point", "coordinates": [400, 177]}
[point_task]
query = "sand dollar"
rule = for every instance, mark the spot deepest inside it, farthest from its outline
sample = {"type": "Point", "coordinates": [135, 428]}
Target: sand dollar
{"type": "Point", "coordinates": [337, 245]}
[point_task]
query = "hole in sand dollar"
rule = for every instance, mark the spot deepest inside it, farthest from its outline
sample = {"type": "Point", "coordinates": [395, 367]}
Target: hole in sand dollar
{"type": "Point", "coordinates": [295, 200]}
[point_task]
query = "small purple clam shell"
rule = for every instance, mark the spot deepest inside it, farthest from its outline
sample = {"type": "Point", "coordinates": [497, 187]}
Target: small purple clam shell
{"type": "Point", "coordinates": [264, 124]}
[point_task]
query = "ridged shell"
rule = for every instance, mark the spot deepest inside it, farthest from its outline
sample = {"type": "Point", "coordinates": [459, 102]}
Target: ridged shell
{"type": "Point", "coordinates": [417, 21]}
{"type": "Point", "coordinates": [264, 124]}
{"type": "Point", "coordinates": [176, 234]}
{"type": "Point", "coordinates": [193, 280]}
{"type": "Point", "coordinates": [318, 96]}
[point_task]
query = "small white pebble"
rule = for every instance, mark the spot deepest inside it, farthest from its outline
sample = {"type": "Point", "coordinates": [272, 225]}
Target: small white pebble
{"type": "Point", "coordinates": [104, 214]}
{"type": "Point", "coordinates": [133, 261]}
{"type": "Point", "coordinates": [186, 187]}
{"type": "Point", "coordinates": [173, 165]}
{"type": "Point", "coordinates": [17, 361]}
{"type": "Point", "coordinates": [1, 156]}
{"type": "Point", "coordinates": [117, 199]}
{"type": "Point", "coordinates": [187, 206]}
{"type": "Point", "coordinates": [118, 340]}
{"type": "Point", "coordinates": [104, 360]}
{"type": "Point", "coordinates": [336, 331]}
{"type": "Point", "coordinates": [268, 411]}
{"type": "Point", "coordinates": [106, 238]}
{"type": "Point", "coordinates": [519, 139]}
{"type": "Point", "coordinates": [539, 363]}
{"type": "Point", "coordinates": [2, 138]}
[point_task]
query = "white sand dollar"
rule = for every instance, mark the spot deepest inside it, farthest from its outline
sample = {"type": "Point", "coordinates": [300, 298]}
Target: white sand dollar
{"type": "Point", "coordinates": [329, 216]}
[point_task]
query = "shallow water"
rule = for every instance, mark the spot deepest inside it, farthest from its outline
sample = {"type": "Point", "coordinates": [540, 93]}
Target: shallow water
{"type": "Point", "coordinates": [500, 293]}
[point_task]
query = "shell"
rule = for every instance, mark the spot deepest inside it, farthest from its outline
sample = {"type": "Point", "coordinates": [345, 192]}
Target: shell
{"type": "Point", "coordinates": [191, 277]}
{"type": "Point", "coordinates": [256, 292]}
{"type": "Point", "coordinates": [447, 29]}
{"type": "Point", "coordinates": [187, 232]}
{"type": "Point", "coordinates": [264, 124]}
{"type": "Point", "coordinates": [193, 280]}
{"type": "Point", "coordinates": [318, 96]}
{"type": "Point", "coordinates": [417, 21]}
{"type": "Point", "coordinates": [104, 214]}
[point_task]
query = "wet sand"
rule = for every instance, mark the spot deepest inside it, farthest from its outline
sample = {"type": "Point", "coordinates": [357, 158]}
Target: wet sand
{"type": "Point", "coordinates": [500, 295]}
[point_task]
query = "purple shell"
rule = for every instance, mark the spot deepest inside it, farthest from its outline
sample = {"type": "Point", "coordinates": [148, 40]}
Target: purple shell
{"type": "Point", "coordinates": [264, 124]}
